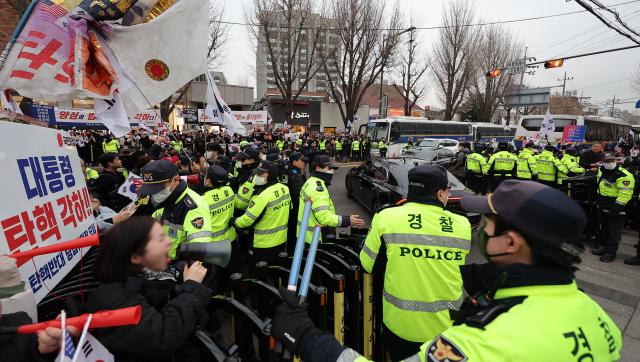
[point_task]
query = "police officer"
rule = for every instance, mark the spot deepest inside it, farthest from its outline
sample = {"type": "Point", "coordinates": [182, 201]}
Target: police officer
{"type": "Point", "coordinates": [295, 181]}
{"type": "Point", "coordinates": [267, 213]}
{"type": "Point", "coordinates": [322, 210]}
{"type": "Point", "coordinates": [220, 198]}
{"type": "Point", "coordinates": [615, 189]}
{"type": "Point", "coordinates": [355, 150]}
{"type": "Point", "coordinates": [524, 305]}
{"type": "Point", "coordinates": [110, 144]}
{"type": "Point", "coordinates": [571, 161]}
{"type": "Point", "coordinates": [177, 144]}
{"type": "Point", "coordinates": [280, 144]}
{"type": "Point", "coordinates": [526, 169]}
{"type": "Point", "coordinates": [183, 213]}
{"type": "Point", "coordinates": [548, 166]}
{"type": "Point", "coordinates": [423, 246]}
{"type": "Point", "coordinates": [244, 190]}
{"type": "Point", "coordinates": [322, 144]}
{"type": "Point", "coordinates": [338, 149]}
{"type": "Point", "coordinates": [501, 166]}
{"type": "Point", "coordinates": [476, 166]}
{"type": "Point", "coordinates": [382, 147]}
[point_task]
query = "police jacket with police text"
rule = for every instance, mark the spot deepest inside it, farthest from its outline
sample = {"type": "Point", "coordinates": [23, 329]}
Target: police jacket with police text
{"type": "Point", "coordinates": [538, 314]}
{"type": "Point", "coordinates": [221, 206]}
{"type": "Point", "coordinates": [615, 186]}
{"type": "Point", "coordinates": [423, 247]}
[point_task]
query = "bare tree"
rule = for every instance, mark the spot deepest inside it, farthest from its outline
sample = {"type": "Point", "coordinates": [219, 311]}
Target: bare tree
{"type": "Point", "coordinates": [452, 60]}
{"type": "Point", "coordinates": [289, 32]}
{"type": "Point", "coordinates": [495, 48]}
{"type": "Point", "coordinates": [218, 35]}
{"type": "Point", "coordinates": [20, 6]}
{"type": "Point", "coordinates": [411, 69]}
{"type": "Point", "coordinates": [360, 51]}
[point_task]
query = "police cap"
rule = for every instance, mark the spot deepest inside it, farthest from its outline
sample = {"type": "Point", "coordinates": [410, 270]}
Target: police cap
{"type": "Point", "coordinates": [322, 161]}
{"type": "Point", "coordinates": [609, 157]}
{"type": "Point", "coordinates": [427, 177]}
{"type": "Point", "coordinates": [217, 174]}
{"type": "Point", "coordinates": [266, 167]}
{"type": "Point", "coordinates": [155, 174]}
{"type": "Point", "coordinates": [249, 153]}
{"type": "Point", "coordinates": [544, 213]}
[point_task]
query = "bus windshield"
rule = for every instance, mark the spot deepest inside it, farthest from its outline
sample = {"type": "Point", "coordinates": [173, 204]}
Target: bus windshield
{"type": "Point", "coordinates": [377, 130]}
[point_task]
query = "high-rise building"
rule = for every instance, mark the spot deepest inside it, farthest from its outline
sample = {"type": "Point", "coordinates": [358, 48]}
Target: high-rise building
{"type": "Point", "coordinates": [327, 41]}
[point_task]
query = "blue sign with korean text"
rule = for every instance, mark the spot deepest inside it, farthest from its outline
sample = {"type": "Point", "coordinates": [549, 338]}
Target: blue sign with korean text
{"type": "Point", "coordinates": [574, 133]}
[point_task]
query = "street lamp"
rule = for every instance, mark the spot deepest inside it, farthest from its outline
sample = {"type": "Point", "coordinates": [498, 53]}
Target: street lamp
{"type": "Point", "coordinates": [384, 40]}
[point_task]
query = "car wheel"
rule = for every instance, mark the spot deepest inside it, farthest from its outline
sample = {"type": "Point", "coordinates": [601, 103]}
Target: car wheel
{"type": "Point", "coordinates": [348, 187]}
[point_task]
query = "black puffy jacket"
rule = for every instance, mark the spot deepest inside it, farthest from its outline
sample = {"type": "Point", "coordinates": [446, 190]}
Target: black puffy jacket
{"type": "Point", "coordinates": [170, 315]}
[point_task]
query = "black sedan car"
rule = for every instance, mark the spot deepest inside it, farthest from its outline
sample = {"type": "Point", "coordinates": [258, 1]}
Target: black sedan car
{"type": "Point", "coordinates": [442, 156]}
{"type": "Point", "coordinates": [385, 181]}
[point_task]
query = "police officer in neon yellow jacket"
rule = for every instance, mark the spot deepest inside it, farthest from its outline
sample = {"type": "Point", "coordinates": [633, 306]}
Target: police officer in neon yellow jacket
{"type": "Point", "coordinates": [524, 306]}
{"type": "Point", "coordinates": [527, 166]}
{"type": "Point", "coordinates": [220, 198]}
{"type": "Point", "coordinates": [571, 160]}
{"type": "Point", "coordinates": [243, 183]}
{"type": "Point", "coordinates": [549, 166]}
{"type": "Point", "coordinates": [322, 210]}
{"type": "Point", "coordinates": [424, 246]}
{"type": "Point", "coordinates": [267, 214]}
{"type": "Point", "coordinates": [501, 166]}
{"type": "Point", "coordinates": [183, 213]}
{"type": "Point", "coordinates": [615, 189]}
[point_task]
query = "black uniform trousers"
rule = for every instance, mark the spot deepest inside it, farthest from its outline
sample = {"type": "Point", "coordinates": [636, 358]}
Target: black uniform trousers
{"type": "Point", "coordinates": [610, 229]}
{"type": "Point", "coordinates": [398, 348]}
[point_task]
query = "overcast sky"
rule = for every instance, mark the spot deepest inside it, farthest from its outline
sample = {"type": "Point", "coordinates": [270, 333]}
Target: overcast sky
{"type": "Point", "coordinates": [599, 76]}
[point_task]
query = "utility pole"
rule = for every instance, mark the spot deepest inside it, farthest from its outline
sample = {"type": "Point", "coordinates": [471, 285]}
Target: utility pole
{"type": "Point", "coordinates": [384, 40]}
{"type": "Point", "coordinates": [612, 104]}
{"type": "Point", "coordinates": [522, 74]}
{"type": "Point", "coordinates": [564, 82]}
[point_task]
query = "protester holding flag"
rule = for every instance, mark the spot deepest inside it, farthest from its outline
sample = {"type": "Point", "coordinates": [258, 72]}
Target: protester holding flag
{"type": "Point", "coordinates": [131, 268]}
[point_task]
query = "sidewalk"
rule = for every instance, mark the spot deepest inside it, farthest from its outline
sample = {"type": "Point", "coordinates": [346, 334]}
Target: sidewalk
{"type": "Point", "coordinates": [616, 287]}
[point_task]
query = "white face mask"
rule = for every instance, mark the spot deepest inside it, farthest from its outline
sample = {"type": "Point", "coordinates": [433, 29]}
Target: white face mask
{"type": "Point", "coordinates": [208, 155]}
{"type": "Point", "coordinates": [260, 180]}
{"type": "Point", "coordinates": [263, 157]}
{"type": "Point", "coordinates": [161, 196]}
{"type": "Point", "coordinates": [610, 165]}
{"type": "Point", "coordinates": [330, 171]}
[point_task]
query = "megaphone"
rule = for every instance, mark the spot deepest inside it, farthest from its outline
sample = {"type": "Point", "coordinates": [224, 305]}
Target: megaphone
{"type": "Point", "coordinates": [215, 253]}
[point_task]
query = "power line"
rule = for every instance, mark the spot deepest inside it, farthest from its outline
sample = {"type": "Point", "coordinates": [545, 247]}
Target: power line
{"type": "Point", "coordinates": [604, 21]}
{"type": "Point", "coordinates": [616, 15]}
{"type": "Point", "coordinates": [433, 27]}
{"type": "Point", "coordinates": [581, 34]}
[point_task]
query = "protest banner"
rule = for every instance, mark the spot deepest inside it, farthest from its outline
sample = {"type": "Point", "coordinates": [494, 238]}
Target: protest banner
{"type": "Point", "coordinates": [48, 203]}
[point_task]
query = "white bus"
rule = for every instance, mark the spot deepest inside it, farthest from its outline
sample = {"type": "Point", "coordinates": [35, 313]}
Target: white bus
{"type": "Point", "coordinates": [490, 132]}
{"type": "Point", "coordinates": [598, 129]}
{"type": "Point", "coordinates": [396, 131]}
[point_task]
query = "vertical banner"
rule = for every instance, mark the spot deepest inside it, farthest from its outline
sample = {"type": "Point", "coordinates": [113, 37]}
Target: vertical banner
{"type": "Point", "coordinates": [44, 201]}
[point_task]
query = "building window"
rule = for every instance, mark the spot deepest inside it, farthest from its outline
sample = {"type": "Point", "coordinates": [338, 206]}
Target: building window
{"type": "Point", "coordinates": [201, 79]}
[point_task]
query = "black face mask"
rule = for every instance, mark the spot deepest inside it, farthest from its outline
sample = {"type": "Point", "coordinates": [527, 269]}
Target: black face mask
{"type": "Point", "coordinates": [482, 239]}
{"type": "Point", "coordinates": [326, 177]}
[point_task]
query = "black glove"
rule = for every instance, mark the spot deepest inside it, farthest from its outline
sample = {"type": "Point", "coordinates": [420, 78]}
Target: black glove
{"type": "Point", "coordinates": [291, 324]}
{"type": "Point", "coordinates": [534, 178]}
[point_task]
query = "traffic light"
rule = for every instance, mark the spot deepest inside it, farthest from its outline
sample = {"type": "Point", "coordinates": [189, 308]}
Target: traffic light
{"type": "Point", "coordinates": [555, 63]}
{"type": "Point", "coordinates": [494, 73]}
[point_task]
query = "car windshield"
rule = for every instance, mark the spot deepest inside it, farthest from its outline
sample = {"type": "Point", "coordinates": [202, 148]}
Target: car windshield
{"type": "Point", "coordinates": [424, 154]}
{"type": "Point", "coordinates": [428, 143]}
{"type": "Point", "coordinates": [401, 174]}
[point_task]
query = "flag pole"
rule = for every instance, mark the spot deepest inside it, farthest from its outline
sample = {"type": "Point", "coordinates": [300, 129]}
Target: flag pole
{"type": "Point", "coordinates": [16, 33]}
